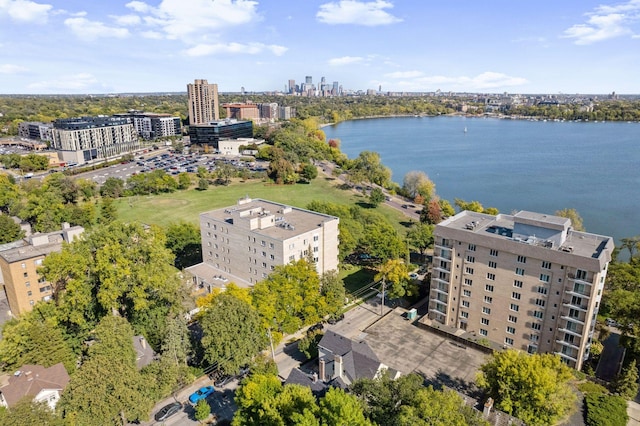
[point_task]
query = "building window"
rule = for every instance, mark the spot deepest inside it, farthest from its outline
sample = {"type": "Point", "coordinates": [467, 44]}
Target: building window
{"type": "Point", "coordinates": [25, 274]}
{"type": "Point", "coordinates": [514, 307]}
{"type": "Point", "coordinates": [542, 290]}
{"type": "Point", "coordinates": [316, 238]}
{"type": "Point", "coordinates": [264, 265]}
{"type": "Point", "coordinates": [536, 326]}
{"type": "Point", "coordinates": [464, 314]}
{"type": "Point", "coordinates": [271, 245]}
{"type": "Point", "coordinates": [27, 284]}
{"type": "Point", "coordinates": [29, 293]}
{"type": "Point", "coordinates": [491, 277]}
{"type": "Point", "coordinates": [264, 254]}
{"type": "Point", "coordinates": [38, 262]}
{"type": "Point", "coordinates": [532, 349]}
{"type": "Point", "coordinates": [519, 271]}
{"type": "Point", "coordinates": [31, 302]}
{"type": "Point", "coordinates": [538, 314]}
{"type": "Point", "coordinates": [23, 265]}
{"type": "Point", "coordinates": [517, 283]}
{"type": "Point", "coordinates": [486, 310]}
{"type": "Point", "coordinates": [545, 278]}
{"type": "Point", "coordinates": [580, 274]}
{"type": "Point", "coordinates": [522, 259]}
{"type": "Point", "coordinates": [546, 265]}
{"type": "Point", "coordinates": [472, 247]}
{"type": "Point", "coordinates": [263, 243]}
{"type": "Point", "coordinates": [516, 295]}
{"type": "Point", "coordinates": [493, 264]}
{"type": "Point", "coordinates": [272, 257]}
{"type": "Point", "coordinates": [316, 249]}
{"type": "Point", "coordinates": [512, 318]}
{"type": "Point", "coordinates": [465, 303]}
{"type": "Point", "coordinates": [468, 270]}
{"type": "Point", "coordinates": [508, 341]}
{"type": "Point", "coordinates": [511, 330]}
{"type": "Point", "coordinates": [488, 287]}
{"type": "Point", "coordinates": [485, 321]}
{"type": "Point", "coordinates": [483, 332]}
{"type": "Point", "coordinates": [292, 258]}
{"type": "Point", "coordinates": [540, 302]}
{"type": "Point", "coordinates": [471, 259]}
{"type": "Point", "coordinates": [493, 252]}
{"type": "Point", "coordinates": [534, 337]}
{"type": "Point", "coordinates": [468, 281]}
{"type": "Point", "coordinates": [466, 293]}
{"type": "Point", "coordinates": [488, 299]}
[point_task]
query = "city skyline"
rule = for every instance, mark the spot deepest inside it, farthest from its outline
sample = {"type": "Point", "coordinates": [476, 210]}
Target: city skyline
{"type": "Point", "coordinates": [75, 47]}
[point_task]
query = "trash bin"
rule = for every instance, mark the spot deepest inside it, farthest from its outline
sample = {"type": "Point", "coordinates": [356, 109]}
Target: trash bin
{"type": "Point", "coordinates": [412, 314]}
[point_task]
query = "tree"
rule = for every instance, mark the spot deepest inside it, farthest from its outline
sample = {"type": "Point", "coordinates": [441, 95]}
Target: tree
{"type": "Point", "coordinates": [534, 388]}
{"type": "Point", "coordinates": [420, 236]}
{"type": "Point", "coordinates": [432, 407]}
{"type": "Point", "coordinates": [232, 333]}
{"type": "Point", "coordinates": [418, 183]}
{"type": "Point", "coordinates": [202, 411]}
{"type": "Point", "coordinates": [9, 193]}
{"type": "Point", "coordinates": [368, 166]}
{"type": "Point", "coordinates": [183, 239]}
{"type": "Point", "coordinates": [9, 230]}
{"type": "Point", "coordinates": [289, 297]}
{"type": "Point", "coordinates": [626, 384]}
{"type": "Point", "coordinates": [112, 188]}
{"type": "Point", "coordinates": [27, 412]}
{"type": "Point", "coordinates": [176, 345]}
{"type": "Point", "coordinates": [339, 408]}
{"type": "Point", "coordinates": [308, 345]}
{"type": "Point", "coordinates": [308, 172]}
{"type": "Point", "coordinates": [432, 213]}
{"type": "Point", "coordinates": [376, 197]}
{"type": "Point", "coordinates": [333, 291]}
{"type": "Point", "coordinates": [576, 220]}
{"type": "Point", "coordinates": [394, 273]}
{"type": "Point", "coordinates": [108, 212]}
{"type": "Point", "coordinates": [203, 184]}
{"type": "Point", "coordinates": [184, 181]}
{"type": "Point", "coordinates": [107, 389]}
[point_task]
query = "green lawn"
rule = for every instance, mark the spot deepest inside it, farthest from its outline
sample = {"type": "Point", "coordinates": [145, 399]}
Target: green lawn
{"type": "Point", "coordinates": [187, 205]}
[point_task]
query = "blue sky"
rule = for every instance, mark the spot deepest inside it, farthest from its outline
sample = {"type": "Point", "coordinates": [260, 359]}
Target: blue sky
{"type": "Point", "coordinates": [107, 46]}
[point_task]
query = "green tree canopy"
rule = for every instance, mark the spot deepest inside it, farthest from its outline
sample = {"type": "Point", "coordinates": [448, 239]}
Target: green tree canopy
{"type": "Point", "coordinates": [232, 333]}
{"type": "Point", "coordinates": [534, 388]}
{"type": "Point", "coordinates": [9, 230]}
{"type": "Point", "coordinates": [183, 239]}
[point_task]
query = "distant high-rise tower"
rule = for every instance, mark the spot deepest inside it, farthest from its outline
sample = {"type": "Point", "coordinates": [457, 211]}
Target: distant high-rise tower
{"type": "Point", "coordinates": [203, 102]}
{"type": "Point", "coordinates": [308, 79]}
{"type": "Point", "coordinates": [292, 86]}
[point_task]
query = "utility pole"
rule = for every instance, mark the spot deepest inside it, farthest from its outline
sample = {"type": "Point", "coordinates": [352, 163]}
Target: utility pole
{"type": "Point", "coordinates": [384, 282]}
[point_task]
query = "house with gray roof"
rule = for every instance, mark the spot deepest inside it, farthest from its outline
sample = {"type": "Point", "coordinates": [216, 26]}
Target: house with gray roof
{"type": "Point", "coordinates": [38, 382]}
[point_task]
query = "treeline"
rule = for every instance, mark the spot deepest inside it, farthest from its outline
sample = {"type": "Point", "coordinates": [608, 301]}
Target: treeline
{"type": "Point", "coordinates": [609, 110]}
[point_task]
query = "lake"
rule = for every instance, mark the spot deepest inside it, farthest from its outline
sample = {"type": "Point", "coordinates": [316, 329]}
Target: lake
{"type": "Point", "coordinates": [541, 166]}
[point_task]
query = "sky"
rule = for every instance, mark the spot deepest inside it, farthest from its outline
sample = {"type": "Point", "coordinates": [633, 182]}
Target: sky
{"type": "Point", "coordinates": [494, 46]}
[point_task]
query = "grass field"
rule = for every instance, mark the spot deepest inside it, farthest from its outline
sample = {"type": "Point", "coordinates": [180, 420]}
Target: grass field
{"type": "Point", "coordinates": [187, 205]}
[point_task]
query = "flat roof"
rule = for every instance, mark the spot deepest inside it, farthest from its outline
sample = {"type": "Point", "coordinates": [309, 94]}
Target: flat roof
{"type": "Point", "coordinates": [289, 221]}
{"type": "Point", "coordinates": [501, 227]}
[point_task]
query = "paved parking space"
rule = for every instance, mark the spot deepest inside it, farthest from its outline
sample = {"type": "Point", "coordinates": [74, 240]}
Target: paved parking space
{"type": "Point", "coordinates": [407, 348]}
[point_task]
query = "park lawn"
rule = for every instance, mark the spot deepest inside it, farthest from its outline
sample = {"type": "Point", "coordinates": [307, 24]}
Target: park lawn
{"type": "Point", "coordinates": [186, 205]}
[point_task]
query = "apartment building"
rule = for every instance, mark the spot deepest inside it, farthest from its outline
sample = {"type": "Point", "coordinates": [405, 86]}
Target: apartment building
{"type": "Point", "coordinates": [526, 281]}
{"type": "Point", "coordinates": [152, 126]}
{"type": "Point", "coordinates": [244, 243]}
{"type": "Point", "coordinates": [83, 139]}
{"type": "Point", "coordinates": [19, 263]}
{"type": "Point", "coordinates": [203, 102]}
{"type": "Point", "coordinates": [242, 111]}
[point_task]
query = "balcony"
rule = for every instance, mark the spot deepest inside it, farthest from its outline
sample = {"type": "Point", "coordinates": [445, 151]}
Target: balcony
{"type": "Point", "coordinates": [578, 320]}
{"type": "Point", "coordinates": [569, 304]}
{"type": "Point", "coordinates": [570, 290]}
{"type": "Point", "coordinates": [435, 310]}
{"type": "Point", "coordinates": [444, 255]}
{"type": "Point", "coordinates": [565, 356]}
{"type": "Point", "coordinates": [568, 344]}
{"type": "Point", "coordinates": [438, 301]}
{"type": "Point", "coordinates": [576, 333]}
{"type": "Point", "coordinates": [441, 269]}
{"type": "Point", "coordinates": [441, 291]}
{"type": "Point", "coordinates": [581, 280]}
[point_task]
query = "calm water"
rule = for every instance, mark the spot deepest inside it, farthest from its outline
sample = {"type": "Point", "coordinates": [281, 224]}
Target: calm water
{"type": "Point", "coordinates": [514, 164]}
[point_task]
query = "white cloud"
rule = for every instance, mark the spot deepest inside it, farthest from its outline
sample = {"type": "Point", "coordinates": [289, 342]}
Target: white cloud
{"type": "Point", "coordinates": [405, 74]}
{"type": "Point", "coordinates": [179, 21]}
{"type": "Point", "coordinates": [25, 10]}
{"type": "Point", "coordinates": [606, 22]}
{"type": "Point", "coordinates": [485, 81]}
{"type": "Point", "coordinates": [234, 48]}
{"type": "Point", "coordinates": [346, 60]}
{"type": "Point", "coordinates": [126, 19]}
{"type": "Point", "coordinates": [155, 35]}
{"type": "Point", "coordinates": [91, 30]}
{"type": "Point", "coordinates": [71, 83]}
{"type": "Point", "coordinates": [12, 69]}
{"type": "Point", "coordinates": [357, 13]}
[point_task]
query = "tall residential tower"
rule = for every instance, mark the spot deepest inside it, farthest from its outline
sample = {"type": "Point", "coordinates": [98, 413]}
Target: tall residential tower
{"type": "Point", "coordinates": [526, 281]}
{"type": "Point", "coordinates": [203, 102]}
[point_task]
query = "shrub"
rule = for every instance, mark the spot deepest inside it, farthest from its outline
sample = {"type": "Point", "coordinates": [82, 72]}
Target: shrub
{"type": "Point", "coordinates": [605, 410]}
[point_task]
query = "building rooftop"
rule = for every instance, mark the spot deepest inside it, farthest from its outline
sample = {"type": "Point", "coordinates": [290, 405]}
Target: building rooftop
{"type": "Point", "coordinates": [273, 220]}
{"type": "Point", "coordinates": [38, 244]}
{"type": "Point", "coordinates": [32, 379]}
{"type": "Point", "coordinates": [535, 229]}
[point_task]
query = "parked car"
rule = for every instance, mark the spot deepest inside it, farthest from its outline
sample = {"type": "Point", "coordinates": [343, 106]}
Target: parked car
{"type": "Point", "coordinates": [335, 319]}
{"type": "Point", "coordinates": [223, 380]}
{"type": "Point", "coordinates": [413, 276]}
{"type": "Point", "coordinates": [167, 411]}
{"type": "Point", "coordinates": [201, 393]}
